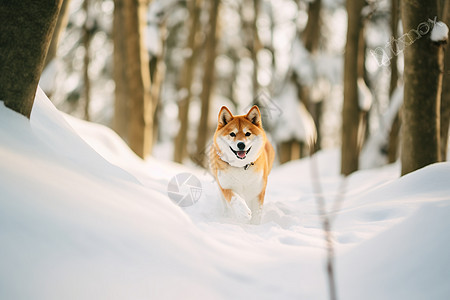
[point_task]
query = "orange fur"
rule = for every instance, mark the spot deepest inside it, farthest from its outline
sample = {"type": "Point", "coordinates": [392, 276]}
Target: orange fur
{"type": "Point", "coordinates": [227, 167]}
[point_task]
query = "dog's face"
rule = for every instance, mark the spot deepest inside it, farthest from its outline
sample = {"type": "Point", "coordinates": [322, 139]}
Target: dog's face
{"type": "Point", "coordinates": [240, 138]}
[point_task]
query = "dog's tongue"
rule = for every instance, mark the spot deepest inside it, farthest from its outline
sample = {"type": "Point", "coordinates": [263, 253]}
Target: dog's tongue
{"type": "Point", "coordinates": [241, 154]}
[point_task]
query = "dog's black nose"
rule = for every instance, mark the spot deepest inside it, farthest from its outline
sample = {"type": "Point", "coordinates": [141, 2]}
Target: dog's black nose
{"type": "Point", "coordinates": [241, 146]}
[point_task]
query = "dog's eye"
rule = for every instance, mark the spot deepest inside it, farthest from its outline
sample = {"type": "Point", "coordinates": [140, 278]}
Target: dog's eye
{"type": "Point", "coordinates": [248, 134]}
{"type": "Point", "coordinates": [233, 134]}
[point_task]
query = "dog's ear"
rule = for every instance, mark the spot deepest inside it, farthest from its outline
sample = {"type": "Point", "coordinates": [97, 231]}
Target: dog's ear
{"type": "Point", "coordinates": [225, 116]}
{"type": "Point", "coordinates": [254, 115]}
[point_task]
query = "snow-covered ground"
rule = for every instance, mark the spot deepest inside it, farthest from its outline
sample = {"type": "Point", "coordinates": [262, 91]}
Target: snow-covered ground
{"type": "Point", "coordinates": [79, 223]}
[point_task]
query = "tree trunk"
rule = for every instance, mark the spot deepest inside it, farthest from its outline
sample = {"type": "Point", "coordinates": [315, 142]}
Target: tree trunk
{"type": "Point", "coordinates": [422, 91]}
{"type": "Point", "coordinates": [285, 151]}
{"type": "Point", "coordinates": [208, 76]}
{"type": "Point", "coordinates": [310, 37]}
{"type": "Point", "coordinates": [291, 150]}
{"type": "Point", "coordinates": [26, 30]}
{"type": "Point", "coordinates": [392, 150]}
{"type": "Point", "coordinates": [187, 74]}
{"type": "Point", "coordinates": [363, 128]}
{"type": "Point", "coordinates": [311, 34]}
{"type": "Point", "coordinates": [255, 47]}
{"type": "Point", "coordinates": [121, 107]}
{"type": "Point", "coordinates": [445, 95]}
{"type": "Point", "coordinates": [61, 24]}
{"type": "Point", "coordinates": [231, 91]}
{"type": "Point", "coordinates": [87, 35]}
{"type": "Point", "coordinates": [157, 79]}
{"type": "Point", "coordinates": [351, 111]}
{"type": "Point", "coordinates": [136, 74]}
{"type": "Point", "coordinates": [316, 113]}
{"type": "Point", "coordinates": [394, 32]}
{"type": "Point", "coordinates": [395, 128]}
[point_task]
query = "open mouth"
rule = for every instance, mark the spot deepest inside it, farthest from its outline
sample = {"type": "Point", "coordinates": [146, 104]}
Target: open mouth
{"type": "Point", "coordinates": [241, 154]}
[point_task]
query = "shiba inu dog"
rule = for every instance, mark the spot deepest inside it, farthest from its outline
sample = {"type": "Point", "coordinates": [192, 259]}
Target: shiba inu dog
{"type": "Point", "coordinates": [240, 159]}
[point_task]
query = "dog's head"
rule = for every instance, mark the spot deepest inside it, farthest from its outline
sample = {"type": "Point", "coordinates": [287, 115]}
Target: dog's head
{"type": "Point", "coordinates": [240, 139]}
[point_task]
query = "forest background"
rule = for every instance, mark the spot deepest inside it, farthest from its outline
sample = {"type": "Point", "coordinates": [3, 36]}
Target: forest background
{"type": "Point", "coordinates": [324, 73]}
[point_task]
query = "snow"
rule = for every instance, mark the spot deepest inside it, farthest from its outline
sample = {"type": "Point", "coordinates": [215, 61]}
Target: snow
{"type": "Point", "coordinates": [414, 266]}
{"type": "Point", "coordinates": [83, 223]}
{"type": "Point", "coordinates": [364, 95]}
{"type": "Point", "coordinates": [439, 34]}
{"type": "Point", "coordinates": [48, 76]}
{"type": "Point", "coordinates": [372, 154]}
{"type": "Point", "coordinates": [294, 122]}
{"type": "Point", "coordinates": [302, 63]}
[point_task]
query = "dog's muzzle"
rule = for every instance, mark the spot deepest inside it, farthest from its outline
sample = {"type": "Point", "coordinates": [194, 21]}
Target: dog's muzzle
{"type": "Point", "coordinates": [241, 154]}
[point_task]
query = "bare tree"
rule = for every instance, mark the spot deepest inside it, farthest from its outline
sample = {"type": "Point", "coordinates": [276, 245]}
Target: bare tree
{"type": "Point", "coordinates": [422, 90]}
{"type": "Point", "coordinates": [351, 110]}
{"type": "Point", "coordinates": [395, 128]}
{"type": "Point", "coordinates": [61, 23]}
{"type": "Point", "coordinates": [133, 72]}
{"type": "Point", "coordinates": [295, 149]}
{"type": "Point", "coordinates": [445, 95]}
{"type": "Point", "coordinates": [157, 73]}
{"type": "Point", "coordinates": [208, 75]}
{"type": "Point", "coordinates": [87, 36]}
{"type": "Point", "coordinates": [255, 46]}
{"type": "Point", "coordinates": [187, 74]}
{"type": "Point", "coordinates": [311, 37]}
{"type": "Point", "coordinates": [363, 129]}
{"type": "Point", "coordinates": [121, 110]}
{"type": "Point", "coordinates": [27, 27]}
{"type": "Point", "coordinates": [311, 33]}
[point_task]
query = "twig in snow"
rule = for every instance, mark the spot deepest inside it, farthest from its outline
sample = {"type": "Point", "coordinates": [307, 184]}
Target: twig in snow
{"type": "Point", "coordinates": [326, 220]}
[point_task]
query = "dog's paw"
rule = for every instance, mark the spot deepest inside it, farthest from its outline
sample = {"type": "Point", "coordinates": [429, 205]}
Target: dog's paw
{"type": "Point", "coordinates": [240, 209]}
{"type": "Point", "coordinates": [256, 217]}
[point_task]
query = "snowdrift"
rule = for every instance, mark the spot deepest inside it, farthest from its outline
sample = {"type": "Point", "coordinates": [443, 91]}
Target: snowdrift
{"type": "Point", "coordinates": [82, 217]}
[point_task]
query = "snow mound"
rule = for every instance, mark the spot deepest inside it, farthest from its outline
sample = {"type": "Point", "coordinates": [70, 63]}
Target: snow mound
{"type": "Point", "coordinates": [73, 224]}
{"type": "Point", "coordinates": [439, 34]}
{"type": "Point", "coordinates": [414, 266]}
{"type": "Point", "coordinates": [83, 223]}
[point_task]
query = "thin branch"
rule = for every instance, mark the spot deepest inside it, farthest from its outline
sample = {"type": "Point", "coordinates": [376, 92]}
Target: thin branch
{"type": "Point", "coordinates": [326, 219]}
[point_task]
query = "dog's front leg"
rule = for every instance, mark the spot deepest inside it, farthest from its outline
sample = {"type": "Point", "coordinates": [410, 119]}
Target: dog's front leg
{"type": "Point", "coordinates": [256, 206]}
{"type": "Point", "coordinates": [237, 205]}
{"type": "Point", "coordinates": [256, 209]}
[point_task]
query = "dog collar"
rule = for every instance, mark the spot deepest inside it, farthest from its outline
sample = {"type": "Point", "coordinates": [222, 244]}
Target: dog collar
{"type": "Point", "coordinates": [245, 167]}
{"type": "Point", "coordinates": [248, 165]}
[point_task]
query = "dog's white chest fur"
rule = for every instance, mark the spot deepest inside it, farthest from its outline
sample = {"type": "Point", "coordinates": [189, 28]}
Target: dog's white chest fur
{"type": "Point", "coordinates": [247, 183]}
